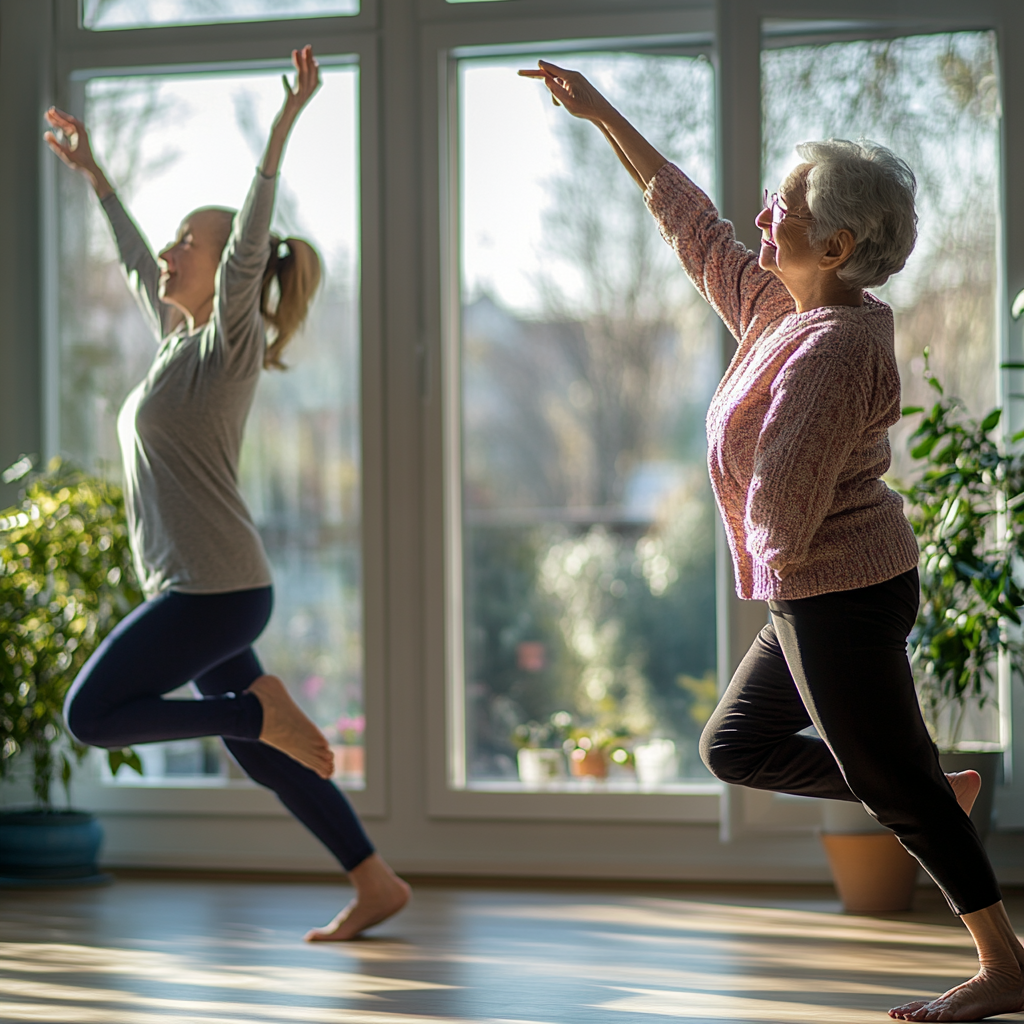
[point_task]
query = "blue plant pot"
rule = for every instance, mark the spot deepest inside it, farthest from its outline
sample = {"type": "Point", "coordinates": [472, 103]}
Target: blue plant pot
{"type": "Point", "coordinates": [49, 848]}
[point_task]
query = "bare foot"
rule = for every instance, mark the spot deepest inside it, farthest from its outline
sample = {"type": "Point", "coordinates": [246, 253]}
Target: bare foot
{"type": "Point", "coordinates": [989, 992]}
{"type": "Point", "coordinates": [966, 785]}
{"type": "Point", "coordinates": [380, 894]}
{"type": "Point", "coordinates": [998, 987]}
{"type": "Point", "coordinates": [286, 727]}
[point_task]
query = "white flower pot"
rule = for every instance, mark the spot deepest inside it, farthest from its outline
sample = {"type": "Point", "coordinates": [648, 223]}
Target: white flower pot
{"type": "Point", "coordinates": [656, 761]}
{"type": "Point", "coordinates": [539, 768]}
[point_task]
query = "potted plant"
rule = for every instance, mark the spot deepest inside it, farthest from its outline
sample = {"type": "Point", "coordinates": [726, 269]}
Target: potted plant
{"type": "Point", "coordinates": [872, 871]}
{"type": "Point", "coordinates": [967, 508]}
{"type": "Point", "coordinates": [592, 751]}
{"type": "Point", "coordinates": [349, 753]}
{"type": "Point", "coordinates": [539, 756]}
{"type": "Point", "coordinates": [66, 579]}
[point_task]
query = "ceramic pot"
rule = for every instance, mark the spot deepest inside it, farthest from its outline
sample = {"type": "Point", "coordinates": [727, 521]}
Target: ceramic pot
{"type": "Point", "coordinates": [656, 761]}
{"type": "Point", "coordinates": [873, 873]}
{"type": "Point", "coordinates": [540, 767]}
{"type": "Point", "coordinates": [989, 765]}
{"type": "Point", "coordinates": [593, 763]}
{"type": "Point", "coordinates": [49, 848]}
{"type": "Point", "coordinates": [348, 760]}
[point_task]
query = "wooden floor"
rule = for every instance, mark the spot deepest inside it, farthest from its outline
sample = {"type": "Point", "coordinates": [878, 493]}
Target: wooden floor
{"type": "Point", "coordinates": [210, 952]}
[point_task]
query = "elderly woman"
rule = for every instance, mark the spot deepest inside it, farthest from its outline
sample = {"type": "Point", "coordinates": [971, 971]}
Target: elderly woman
{"type": "Point", "coordinates": [797, 445]}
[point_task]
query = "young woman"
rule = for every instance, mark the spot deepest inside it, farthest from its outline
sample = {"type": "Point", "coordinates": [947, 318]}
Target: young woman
{"type": "Point", "coordinates": [209, 299]}
{"type": "Point", "coordinates": [797, 446]}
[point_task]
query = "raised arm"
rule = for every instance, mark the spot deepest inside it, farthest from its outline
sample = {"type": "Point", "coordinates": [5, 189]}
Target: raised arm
{"type": "Point", "coordinates": [245, 255]}
{"type": "Point", "coordinates": [307, 81]}
{"type": "Point", "coordinates": [69, 139]}
{"type": "Point", "coordinates": [724, 271]}
{"type": "Point", "coordinates": [571, 90]}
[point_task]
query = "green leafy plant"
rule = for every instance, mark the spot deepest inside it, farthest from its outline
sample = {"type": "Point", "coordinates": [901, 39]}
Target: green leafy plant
{"type": "Point", "coordinates": [535, 735]}
{"type": "Point", "coordinates": [967, 510]}
{"type": "Point", "coordinates": [66, 579]}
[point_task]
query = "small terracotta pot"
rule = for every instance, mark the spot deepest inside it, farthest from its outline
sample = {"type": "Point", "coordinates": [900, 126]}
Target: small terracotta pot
{"type": "Point", "coordinates": [348, 760]}
{"type": "Point", "coordinates": [592, 763]}
{"type": "Point", "coordinates": [873, 873]}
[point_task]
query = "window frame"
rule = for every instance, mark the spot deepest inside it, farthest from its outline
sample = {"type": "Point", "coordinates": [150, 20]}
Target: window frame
{"type": "Point", "coordinates": [442, 47]}
{"type": "Point", "coordinates": [740, 30]}
{"type": "Point", "coordinates": [80, 54]}
{"type": "Point", "coordinates": [403, 424]}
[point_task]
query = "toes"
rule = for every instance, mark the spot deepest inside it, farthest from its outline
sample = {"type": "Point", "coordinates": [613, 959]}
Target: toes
{"type": "Point", "coordinates": [904, 1012]}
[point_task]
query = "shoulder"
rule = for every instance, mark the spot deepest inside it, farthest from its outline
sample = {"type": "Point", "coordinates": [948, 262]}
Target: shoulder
{"type": "Point", "coordinates": [856, 335]}
{"type": "Point", "coordinates": [840, 349]}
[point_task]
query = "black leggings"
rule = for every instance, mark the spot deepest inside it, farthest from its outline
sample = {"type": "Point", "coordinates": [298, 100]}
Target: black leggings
{"type": "Point", "coordinates": [117, 700]}
{"type": "Point", "coordinates": [839, 661]}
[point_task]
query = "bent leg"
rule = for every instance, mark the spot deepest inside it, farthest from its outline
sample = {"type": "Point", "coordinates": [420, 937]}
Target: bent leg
{"type": "Point", "coordinates": [316, 802]}
{"type": "Point", "coordinates": [117, 698]}
{"type": "Point", "coordinates": [753, 737]}
{"type": "Point", "coordinates": [321, 807]}
{"type": "Point", "coordinates": [847, 653]}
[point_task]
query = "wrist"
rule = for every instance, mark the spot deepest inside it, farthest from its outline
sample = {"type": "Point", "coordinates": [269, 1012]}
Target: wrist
{"type": "Point", "coordinates": [608, 117]}
{"type": "Point", "coordinates": [99, 182]}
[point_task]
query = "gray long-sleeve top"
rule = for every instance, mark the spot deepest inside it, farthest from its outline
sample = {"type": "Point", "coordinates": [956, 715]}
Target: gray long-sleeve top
{"type": "Point", "coordinates": [181, 428]}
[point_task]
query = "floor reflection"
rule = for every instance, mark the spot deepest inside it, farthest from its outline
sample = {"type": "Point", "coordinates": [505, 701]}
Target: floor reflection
{"type": "Point", "coordinates": [203, 952]}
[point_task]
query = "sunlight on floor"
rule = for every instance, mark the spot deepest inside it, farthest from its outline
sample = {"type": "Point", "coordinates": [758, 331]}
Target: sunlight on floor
{"type": "Point", "coordinates": [230, 952]}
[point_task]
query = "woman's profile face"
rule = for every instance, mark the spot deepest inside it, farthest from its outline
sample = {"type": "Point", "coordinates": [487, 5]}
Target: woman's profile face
{"type": "Point", "coordinates": [188, 266]}
{"type": "Point", "coordinates": [784, 224]}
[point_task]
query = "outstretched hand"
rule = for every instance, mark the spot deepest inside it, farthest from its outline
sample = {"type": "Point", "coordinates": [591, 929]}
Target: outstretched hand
{"type": "Point", "coordinates": [307, 81]}
{"type": "Point", "coordinates": [571, 90]}
{"type": "Point", "coordinates": [70, 141]}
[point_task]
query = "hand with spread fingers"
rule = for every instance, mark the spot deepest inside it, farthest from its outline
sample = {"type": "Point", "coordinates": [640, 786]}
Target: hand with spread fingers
{"type": "Point", "coordinates": [69, 139]}
{"type": "Point", "coordinates": [307, 81]}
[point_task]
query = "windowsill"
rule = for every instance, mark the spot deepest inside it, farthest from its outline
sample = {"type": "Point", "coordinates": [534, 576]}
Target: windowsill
{"type": "Point", "coordinates": [596, 787]}
{"type": "Point", "coordinates": [194, 797]}
{"type": "Point", "coordinates": [692, 803]}
{"type": "Point", "coordinates": [349, 784]}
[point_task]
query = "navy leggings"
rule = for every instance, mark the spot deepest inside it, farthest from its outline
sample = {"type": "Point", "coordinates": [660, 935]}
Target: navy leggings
{"type": "Point", "coordinates": [118, 699]}
{"type": "Point", "coordinates": [839, 661]}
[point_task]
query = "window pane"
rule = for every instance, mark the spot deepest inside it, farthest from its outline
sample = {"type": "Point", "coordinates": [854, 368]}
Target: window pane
{"type": "Point", "coordinates": [113, 14]}
{"type": "Point", "coordinates": [935, 100]}
{"type": "Point", "coordinates": [174, 143]}
{"type": "Point", "coordinates": [588, 362]}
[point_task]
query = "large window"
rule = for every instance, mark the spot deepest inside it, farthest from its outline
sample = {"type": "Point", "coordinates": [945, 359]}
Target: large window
{"type": "Point", "coordinates": [935, 100]}
{"type": "Point", "coordinates": [172, 143]}
{"type": "Point", "coordinates": [587, 364]}
{"type": "Point", "coordinates": [120, 14]}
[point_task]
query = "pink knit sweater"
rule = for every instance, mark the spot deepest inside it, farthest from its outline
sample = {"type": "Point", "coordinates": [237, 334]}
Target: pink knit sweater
{"type": "Point", "coordinates": [798, 428]}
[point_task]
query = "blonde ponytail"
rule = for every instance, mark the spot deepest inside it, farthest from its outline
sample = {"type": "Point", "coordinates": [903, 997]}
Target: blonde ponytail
{"type": "Point", "coordinates": [295, 267]}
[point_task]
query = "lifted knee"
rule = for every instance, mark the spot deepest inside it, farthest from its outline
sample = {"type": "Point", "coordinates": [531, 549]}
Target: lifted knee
{"type": "Point", "coordinates": [726, 763]}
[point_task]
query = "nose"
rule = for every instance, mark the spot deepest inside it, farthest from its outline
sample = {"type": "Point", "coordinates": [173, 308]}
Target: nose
{"type": "Point", "coordinates": [764, 220]}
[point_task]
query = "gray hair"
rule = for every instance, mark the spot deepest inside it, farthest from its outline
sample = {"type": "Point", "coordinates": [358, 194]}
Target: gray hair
{"type": "Point", "coordinates": [868, 190]}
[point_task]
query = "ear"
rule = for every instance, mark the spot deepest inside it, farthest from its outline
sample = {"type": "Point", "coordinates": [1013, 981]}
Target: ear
{"type": "Point", "coordinates": [838, 249]}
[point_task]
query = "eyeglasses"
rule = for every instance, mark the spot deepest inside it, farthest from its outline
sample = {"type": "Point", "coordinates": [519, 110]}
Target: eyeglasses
{"type": "Point", "coordinates": [780, 213]}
